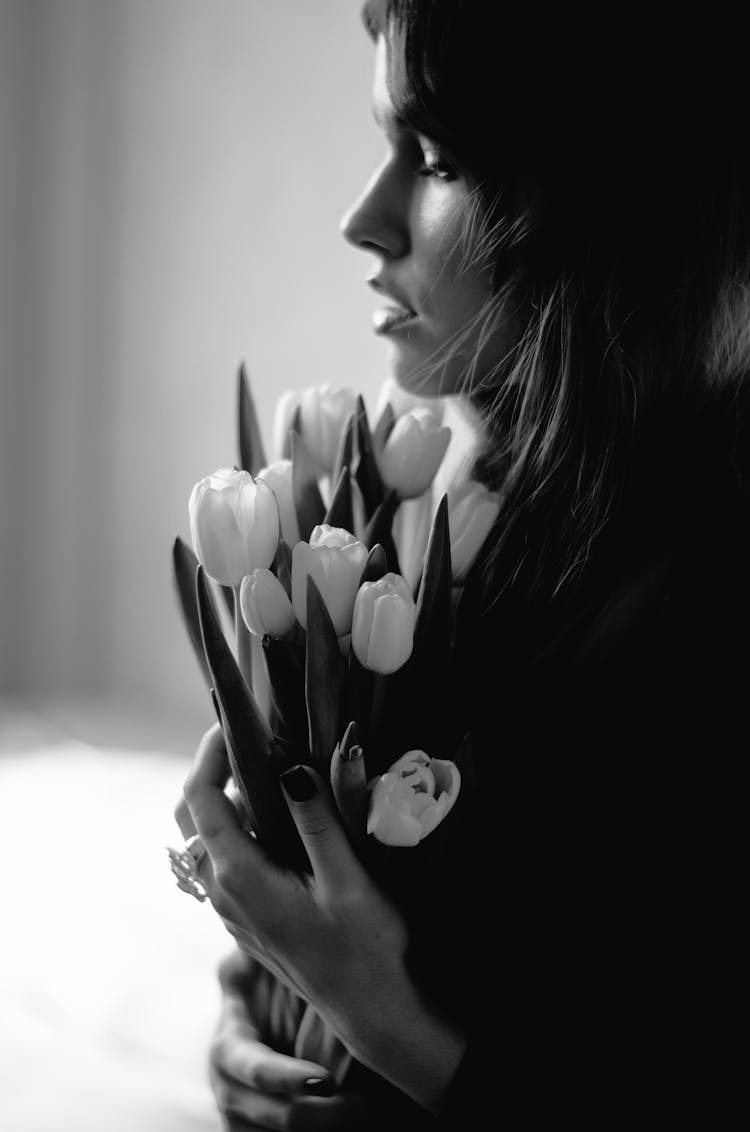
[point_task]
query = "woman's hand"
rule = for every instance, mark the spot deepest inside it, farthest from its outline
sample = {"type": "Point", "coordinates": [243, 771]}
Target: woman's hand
{"type": "Point", "coordinates": [254, 1082]}
{"type": "Point", "coordinates": [334, 937]}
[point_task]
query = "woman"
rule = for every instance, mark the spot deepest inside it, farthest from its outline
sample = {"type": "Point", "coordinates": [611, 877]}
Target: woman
{"type": "Point", "coordinates": [563, 238]}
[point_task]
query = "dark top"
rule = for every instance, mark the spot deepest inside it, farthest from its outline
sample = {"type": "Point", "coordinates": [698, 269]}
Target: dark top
{"type": "Point", "coordinates": [597, 943]}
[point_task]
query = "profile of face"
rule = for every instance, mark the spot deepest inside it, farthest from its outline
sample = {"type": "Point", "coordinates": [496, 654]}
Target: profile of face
{"type": "Point", "coordinates": [411, 220]}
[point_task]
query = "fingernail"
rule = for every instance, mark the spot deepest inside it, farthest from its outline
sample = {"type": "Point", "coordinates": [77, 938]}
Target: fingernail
{"type": "Point", "coordinates": [299, 784]}
{"type": "Point", "coordinates": [320, 1087]}
{"type": "Point", "coordinates": [215, 702]}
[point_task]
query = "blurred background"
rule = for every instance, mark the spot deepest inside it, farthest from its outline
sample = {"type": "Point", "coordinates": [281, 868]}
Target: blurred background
{"type": "Point", "coordinates": [173, 174]}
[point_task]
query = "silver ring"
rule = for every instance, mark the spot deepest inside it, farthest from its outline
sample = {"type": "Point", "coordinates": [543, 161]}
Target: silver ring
{"type": "Point", "coordinates": [185, 863]}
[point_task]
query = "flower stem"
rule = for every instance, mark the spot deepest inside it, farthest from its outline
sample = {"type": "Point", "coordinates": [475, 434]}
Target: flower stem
{"type": "Point", "coordinates": [244, 641]}
{"type": "Point", "coordinates": [377, 709]}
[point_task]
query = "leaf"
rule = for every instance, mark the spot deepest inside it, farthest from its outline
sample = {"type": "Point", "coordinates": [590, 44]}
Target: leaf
{"type": "Point", "coordinates": [349, 785]}
{"type": "Point", "coordinates": [227, 596]}
{"type": "Point", "coordinates": [184, 567]}
{"type": "Point", "coordinates": [282, 566]}
{"type": "Point", "coordinates": [433, 625]}
{"type": "Point", "coordinates": [340, 512]}
{"type": "Point", "coordinates": [285, 663]}
{"type": "Point", "coordinates": [255, 757]}
{"type": "Point", "coordinates": [375, 566]}
{"type": "Point", "coordinates": [379, 528]}
{"type": "Point", "coordinates": [324, 681]}
{"type": "Point", "coordinates": [383, 428]}
{"type": "Point", "coordinates": [308, 501]}
{"type": "Point", "coordinates": [250, 440]}
{"type": "Point", "coordinates": [345, 454]}
{"type": "Point", "coordinates": [295, 426]}
{"type": "Point", "coordinates": [367, 474]}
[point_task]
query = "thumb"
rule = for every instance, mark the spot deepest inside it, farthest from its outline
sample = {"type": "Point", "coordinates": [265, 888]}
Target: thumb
{"type": "Point", "coordinates": [334, 864]}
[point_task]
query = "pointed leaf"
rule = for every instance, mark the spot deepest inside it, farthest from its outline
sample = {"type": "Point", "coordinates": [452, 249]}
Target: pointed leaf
{"type": "Point", "coordinates": [434, 598]}
{"type": "Point", "coordinates": [255, 758]}
{"type": "Point", "coordinates": [250, 440]}
{"type": "Point", "coordinates": [379, 528]}
{"type": "Point", "coordinates": [340, 512]}
{"type": "Point", "coordinates": [349, 785]}
{"type": "Point", "coordinates": [227, 596]}
{"type": "Point", "coordinates": [345, 454]}
{"type": "Point", "coordinates": [375, 566]}
{"type": "Point", "coordinates": [324, 681]}
{"type": "Point", "coordinates": [295, 426]}
{"type": "Point", "coordinates": [383, 428]}
{"type": "Point", "coordinates": [282, 566]}
{"type": "Point", "coordinates": [285, 663]}
{"type": "Point", "coordinates": [184, 566]}
{"type": "Point", "coordinates": [367, 474]}
{"type": "Point", "coordinates": [308, 501]}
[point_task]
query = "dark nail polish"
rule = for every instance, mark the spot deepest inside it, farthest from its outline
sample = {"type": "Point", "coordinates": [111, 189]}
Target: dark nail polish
{"type": "Point", "coordinates": [320, 1087]}
{"type": "Point", "coordinates": [299, 784]}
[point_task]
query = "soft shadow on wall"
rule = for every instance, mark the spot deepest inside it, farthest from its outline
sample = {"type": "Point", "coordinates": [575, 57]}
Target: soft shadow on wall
{"type": "Point", "coordinates": [179, 171]}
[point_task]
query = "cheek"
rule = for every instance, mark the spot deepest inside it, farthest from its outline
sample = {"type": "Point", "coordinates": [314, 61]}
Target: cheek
{"type": "Point", "coordinates": [453, 288]}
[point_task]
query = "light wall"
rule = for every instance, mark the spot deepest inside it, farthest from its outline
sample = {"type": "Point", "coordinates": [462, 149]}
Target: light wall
{"type": "Point", "coordinates": [178, 169]}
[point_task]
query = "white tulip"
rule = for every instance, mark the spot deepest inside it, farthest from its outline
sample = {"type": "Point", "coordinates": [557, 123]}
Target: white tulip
{"type": "Point", "coordinates": [324, 410]}
{"type": "Point", "coordinates": [334, 559]}
{"type": "Point", "coordinates": [412, 798]}
{"type": "Point", "coordinates": [234, 525]}
{"type": "Point", "coordinates": [413, 453]}
{"type": "Point", "coordinates": [383, 624]}
{"type": "Point", "coordinates": [278, 476]}
{"type": "Point", "coordinates": [266, 608]}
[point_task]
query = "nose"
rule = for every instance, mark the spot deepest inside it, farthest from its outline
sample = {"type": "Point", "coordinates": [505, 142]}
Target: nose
{"type": "Point", "coordinates": [378, 219]}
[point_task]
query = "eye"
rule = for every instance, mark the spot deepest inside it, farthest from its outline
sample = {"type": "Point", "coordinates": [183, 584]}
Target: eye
{"type": "Point", "coordinates": [434, 164]}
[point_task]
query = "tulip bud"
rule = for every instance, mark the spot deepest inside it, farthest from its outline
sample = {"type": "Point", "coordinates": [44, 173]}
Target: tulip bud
{"type": "Point", "coordinates": [324, 411]}
{"type": "Point", "coordinates": [265, 605]}
{"type": "Point", "coordinates": [383, 624]}
{"type": "Point", "coordinates": [278, 476]}
{"type": "Point", "coordinates": [412, 798]}
{"type": "Point", "coordinates": [335, 560]}
{"type": "Point", "coordinates": [234, 525]}
{"type": "Point", "coordinates": [472, 509]}
{"type": "Point", "coordinates": [413, 453]}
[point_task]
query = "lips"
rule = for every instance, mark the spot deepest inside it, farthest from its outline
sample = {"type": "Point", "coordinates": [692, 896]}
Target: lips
{"type": "Point", "coordinates": [390, 292]}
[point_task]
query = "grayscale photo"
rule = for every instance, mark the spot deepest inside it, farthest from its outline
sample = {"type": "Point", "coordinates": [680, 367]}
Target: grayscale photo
{"type": "Point", "coordinates": [374, 565]}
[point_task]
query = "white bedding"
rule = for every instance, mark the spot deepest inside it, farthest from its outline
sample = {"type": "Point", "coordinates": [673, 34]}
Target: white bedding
{"type": "Point", "coordinates": [108, 991]}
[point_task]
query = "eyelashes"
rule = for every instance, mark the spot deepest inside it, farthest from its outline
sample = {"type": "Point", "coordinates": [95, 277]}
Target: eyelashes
{"type": "Point", "coordinates": [433, 162]}
{"type": "Point", "coordinates": [439, 169]}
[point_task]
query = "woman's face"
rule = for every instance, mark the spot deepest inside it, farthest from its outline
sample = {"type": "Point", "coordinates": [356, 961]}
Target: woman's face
{"type": "Point", "coordinates": [410, 218]}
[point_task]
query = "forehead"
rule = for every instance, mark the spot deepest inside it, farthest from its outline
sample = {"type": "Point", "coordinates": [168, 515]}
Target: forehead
{"type": "Point", "coordinates": [382, 106]}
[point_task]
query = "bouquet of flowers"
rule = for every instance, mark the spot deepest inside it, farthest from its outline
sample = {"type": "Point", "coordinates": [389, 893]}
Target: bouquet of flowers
{"type": "Point", "coordinates": [322, 648]}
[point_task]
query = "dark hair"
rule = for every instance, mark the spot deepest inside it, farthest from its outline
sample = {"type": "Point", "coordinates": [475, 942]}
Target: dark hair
{"type": "Point", "coordinates": [613, 174]}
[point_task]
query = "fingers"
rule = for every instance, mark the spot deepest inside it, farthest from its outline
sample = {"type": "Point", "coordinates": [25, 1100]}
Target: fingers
{"type": "Point", "coordinates": [212, 813]}
{"type": "Point", "coordinates": [243, 1108]}
{"type": "Point", "coordinates": [335, 866]}
{"type": "Point", "coordinates": [246, 1061]}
